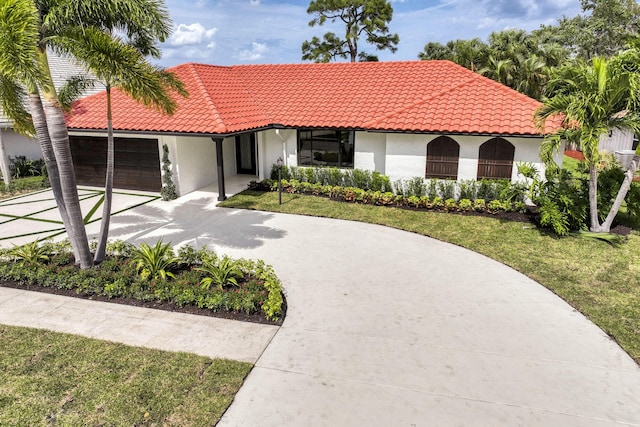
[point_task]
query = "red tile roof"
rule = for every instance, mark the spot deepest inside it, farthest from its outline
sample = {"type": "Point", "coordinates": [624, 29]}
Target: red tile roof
{"type": "Point", "coordinates": [412, 96]}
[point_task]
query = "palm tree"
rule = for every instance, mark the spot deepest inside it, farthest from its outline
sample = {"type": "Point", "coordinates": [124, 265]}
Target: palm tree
{"type": "Point", "coordinates": [591, 100]}
{"type": "Point", "coordinates": [532, 75]}
{"type": "Point", "coordinates": [500, 70]}
{"type": "Point", "coordinates": [120, 64]}
{"type": "Point", "coordinates": [27, 27]}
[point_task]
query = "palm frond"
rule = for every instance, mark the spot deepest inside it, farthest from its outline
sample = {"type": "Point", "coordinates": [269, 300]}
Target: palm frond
{"type": "Point", "coordinates": [73, 89]}
{"type": "Point", "coordinates": [12, 96]}
{"type": "Point", "coordinates": [18, 41]}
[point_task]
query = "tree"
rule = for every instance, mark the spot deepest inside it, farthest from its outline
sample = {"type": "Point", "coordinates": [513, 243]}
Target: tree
{"type": "Point", "coordinates": [471, 54]}
{"type": "Point", "coordinates": [591, 99]}
{"type": "Point", "coordinates": [360, 17]}
{"type": "Point", "coordinates": [26, 29]}
{"type": "Point", "coordinates": [602, 30]}
{"type": "Point", "coordinates": [514, 58]}
{"type": "Point", "coordinates": [121, 64]}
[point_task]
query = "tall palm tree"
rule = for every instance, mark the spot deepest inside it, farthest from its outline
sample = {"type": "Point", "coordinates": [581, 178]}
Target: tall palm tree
{"type": "Point", "coordinates": [19, 38]}
{"type": "Point", "coordinates": [27, 28]}
{"type": "Point", "coordinates": [591, 100]}
{"type": "Point", "coordinates": [121, 64]}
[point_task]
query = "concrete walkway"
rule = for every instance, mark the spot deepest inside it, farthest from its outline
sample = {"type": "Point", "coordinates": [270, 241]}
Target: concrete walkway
{"type": "Point", "coordinates": [143, 327]}
{"type": "Point", "coordinates": [388, 328]}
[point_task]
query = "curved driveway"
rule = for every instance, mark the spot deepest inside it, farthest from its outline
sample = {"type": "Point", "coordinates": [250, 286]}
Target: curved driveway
{"type": "Point", "coordinates": [389, 328]}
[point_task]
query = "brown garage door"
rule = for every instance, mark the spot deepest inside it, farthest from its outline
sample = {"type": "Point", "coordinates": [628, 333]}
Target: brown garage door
{"type": "Point", "coordinates": [137, 163]}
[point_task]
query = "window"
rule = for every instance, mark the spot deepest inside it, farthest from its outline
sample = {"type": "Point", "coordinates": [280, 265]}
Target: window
{"type": "Point", "coordinates": [442, 158]}
{"type": "Point", "coordinates": [495, 159]}
{"type": "Point", "coordinates": [325, 148]}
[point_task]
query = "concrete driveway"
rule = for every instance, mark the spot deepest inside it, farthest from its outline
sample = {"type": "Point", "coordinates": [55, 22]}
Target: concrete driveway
{"type": "Point", "coordinates": [389, 328]}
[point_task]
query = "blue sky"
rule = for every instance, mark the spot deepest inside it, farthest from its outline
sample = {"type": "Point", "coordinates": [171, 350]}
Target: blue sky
{"type": "Point", "coordinates": [227, 32]}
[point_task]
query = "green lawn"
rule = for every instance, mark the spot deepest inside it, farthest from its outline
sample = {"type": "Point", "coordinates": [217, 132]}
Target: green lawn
{"type": "Point", "coordinates": [49, 378]}
{"type": "Point", "coordinates": [600, 280]}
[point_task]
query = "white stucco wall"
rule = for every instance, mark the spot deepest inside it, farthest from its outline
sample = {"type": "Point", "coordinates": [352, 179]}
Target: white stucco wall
{"type": "Point", "coordinates": [229, 156]}
{"type": "Point", "coordinates": [19, 145]}
{"type": "Point", "coordinates": [282, 143]}
{"type": "Point", "coordinates": [195, 162]}
{"type": "Point", "coordinates": [370, 151]}
{"type": "Point", "coordinates": [406, 155]}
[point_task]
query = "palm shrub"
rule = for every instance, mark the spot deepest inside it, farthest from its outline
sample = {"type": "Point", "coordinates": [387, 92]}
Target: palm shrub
{"type": "Point", "coordinates": [220, 272]}
{"type": "Point", "coordinates": [30, 253]}
{"type": "Point", "coordinates": [154, 261]}
{"type": "Point", "coordinates": [467, 189]}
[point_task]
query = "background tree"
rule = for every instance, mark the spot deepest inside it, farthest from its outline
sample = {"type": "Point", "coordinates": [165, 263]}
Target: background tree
{"type": "Point", "coordinates": [603, 28]}
{"type": "Point", "coordinates": [514, 58]}
{"type": "Point", "coordinates": [591, 99]}
{"type": "Point", "coordinates": [368, 18]}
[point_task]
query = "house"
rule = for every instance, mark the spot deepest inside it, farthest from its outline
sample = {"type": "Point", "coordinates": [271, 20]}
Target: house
{"type": "Point", "coordinates": [617, 140]}
{"type": "Point", "coordinates": [433, 119]}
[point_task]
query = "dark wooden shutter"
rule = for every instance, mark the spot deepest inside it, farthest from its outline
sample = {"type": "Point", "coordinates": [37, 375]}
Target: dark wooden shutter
{"type": "Point", "coordinates": [443, 154]}
{"type": "Point", "coordinates": [495, 159]}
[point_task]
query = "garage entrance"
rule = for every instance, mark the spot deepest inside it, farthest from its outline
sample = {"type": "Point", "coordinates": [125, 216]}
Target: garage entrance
{"type": "Point", "coordinates": [137, 162]}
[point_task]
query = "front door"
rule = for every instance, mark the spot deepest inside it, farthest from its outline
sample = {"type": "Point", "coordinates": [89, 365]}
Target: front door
{"type": "Point", "coordinates": [246, 154]}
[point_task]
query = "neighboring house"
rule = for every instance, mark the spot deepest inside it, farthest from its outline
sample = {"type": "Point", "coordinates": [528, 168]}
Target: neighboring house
{"type": "Point", "coordinates": [432, 119]}
{"type": "Point", "coordinates": [617, 140]}
{"type": "Point", "coordinates": [16, 144]}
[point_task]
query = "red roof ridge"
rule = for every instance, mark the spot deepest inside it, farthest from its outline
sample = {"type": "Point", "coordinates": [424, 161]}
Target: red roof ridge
{"type": "Point", "coordinates": [220, 126]}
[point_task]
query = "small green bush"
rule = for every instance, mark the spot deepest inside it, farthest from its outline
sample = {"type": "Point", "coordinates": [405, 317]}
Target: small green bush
{"type": "Point", "coordinates": [465, 205]}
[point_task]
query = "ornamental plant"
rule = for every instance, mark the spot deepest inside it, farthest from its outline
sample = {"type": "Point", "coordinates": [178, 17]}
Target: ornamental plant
{"type": "Point", "coordinates": [154, 261]}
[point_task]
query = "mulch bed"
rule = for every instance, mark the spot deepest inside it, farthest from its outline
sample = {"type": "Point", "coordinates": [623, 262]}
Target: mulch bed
{"type": "Point", "coordinates": [167, 306]}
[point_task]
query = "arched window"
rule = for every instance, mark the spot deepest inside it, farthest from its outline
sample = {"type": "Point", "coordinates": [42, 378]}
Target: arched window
{"type": "Point", "coordinates": [495, 159]}
{"type": "Point", "coordinates": [442, 158]}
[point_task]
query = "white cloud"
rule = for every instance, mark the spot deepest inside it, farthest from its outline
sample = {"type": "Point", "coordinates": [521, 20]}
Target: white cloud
{"type": "Point", "coordinates": [192, 34]}
{"type": "Point", "coordinates": [256, 52]}
{"type": "Point", "coordinates": [254, 2]}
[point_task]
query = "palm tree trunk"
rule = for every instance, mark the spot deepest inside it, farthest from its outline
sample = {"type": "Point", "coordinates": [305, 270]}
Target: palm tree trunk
{"type": "Point", "coordinates": [593, 198]}
{"type": "Point", "coordinates": [4, 162]}
{"type": "Point", "coordinates": [108, 186]}
{"type": "Point", "coordinates": [42, 134]}
{"type": "Point", "coordinates": [60, 142]}
{"type": "Point", "coordinates": [622, 193]}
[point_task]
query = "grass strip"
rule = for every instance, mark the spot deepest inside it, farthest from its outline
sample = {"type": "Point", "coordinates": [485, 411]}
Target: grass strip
{"type": "Point", "coordinates": [597, 279]}
{"type": "Point", "coordinates": [50, 378]}
{"type": "Point", "coordinates": [93, 210]}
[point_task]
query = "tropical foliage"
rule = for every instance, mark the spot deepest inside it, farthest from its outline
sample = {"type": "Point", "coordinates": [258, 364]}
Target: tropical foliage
{"type": "Point", "coordinates": [151, 273]}
{"type": "Point", "coordinates": [590, 99]}
{"type": "Point", "coordinates": [525, 61]}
